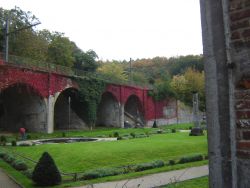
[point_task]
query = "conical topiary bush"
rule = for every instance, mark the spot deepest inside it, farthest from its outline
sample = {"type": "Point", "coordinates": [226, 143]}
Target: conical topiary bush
{"type": "Point", "coordinates": [46, 173]}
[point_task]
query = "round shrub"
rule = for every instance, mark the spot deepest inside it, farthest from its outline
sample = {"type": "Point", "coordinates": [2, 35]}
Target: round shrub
{"type": "Point", "coordinates": [173, 130]}
{"type": "Point", "coordinates": [28, 137]}
{"type": "Point", "coordinates": [19, 165]}
{"type": "Point", "coordinates": [2, 154]}
{"type": "Point", "coordinates": [9, 158]}
{"type": "Point", "coordinates": [119, 138]}
{"type": "Point", "coordinates": [46, 172]}
{"type": "Point", "coordinates": [63, 134]}
{"type": "Point", "coordinates": [3, 140]}
{"type": "Point", "coordinates": [13, 143]}
{"type": "Point", "coordinates": [132, 134]}
{"type": "Point", "coordinates": [116, 134]}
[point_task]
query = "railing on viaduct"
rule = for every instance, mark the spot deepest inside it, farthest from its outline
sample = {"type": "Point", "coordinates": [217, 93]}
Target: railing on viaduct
{"type": "Point", "coordinates": [36, 65]}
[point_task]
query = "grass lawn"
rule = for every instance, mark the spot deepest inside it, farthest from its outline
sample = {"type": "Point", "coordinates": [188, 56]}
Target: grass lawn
{"type": "Point", "coordinates": [79, 157]}
{"type": "Point", "coordinates": [194, 183]}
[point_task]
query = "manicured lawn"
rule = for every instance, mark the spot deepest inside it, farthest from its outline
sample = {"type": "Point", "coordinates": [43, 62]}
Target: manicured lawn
{"type": "Point", "coordinates": [79, 157]}
{"type": "Point", "coordinates": [194, 183]}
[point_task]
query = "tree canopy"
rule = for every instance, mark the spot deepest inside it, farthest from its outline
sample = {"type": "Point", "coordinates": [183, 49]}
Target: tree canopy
{"type": "Point", "coordinates": [42, 45]}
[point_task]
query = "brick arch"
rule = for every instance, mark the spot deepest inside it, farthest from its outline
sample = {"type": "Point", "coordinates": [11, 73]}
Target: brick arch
{"type": "Point", "coordinates": [135, 100]}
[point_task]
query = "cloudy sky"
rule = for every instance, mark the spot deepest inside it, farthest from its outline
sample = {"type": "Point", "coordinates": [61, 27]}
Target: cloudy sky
{"type": "Point", "coordinates": [120, 29]}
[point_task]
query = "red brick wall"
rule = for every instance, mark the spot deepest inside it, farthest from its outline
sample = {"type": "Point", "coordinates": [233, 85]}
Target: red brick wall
{"type": "Point", "coordinates": [240, 42]}
{"type": "Point", "coordinates": [38, 80]}
{"type": "Point", "coordinates": [240, 22]}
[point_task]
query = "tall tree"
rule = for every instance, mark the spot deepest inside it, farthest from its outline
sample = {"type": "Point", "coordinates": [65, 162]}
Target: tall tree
{"type": "Point", "coordinates": [60, 51]}
{"type": "Point", "coordinates": [23, 39]}
{"type": "Point", "coordinates": [86, 61]}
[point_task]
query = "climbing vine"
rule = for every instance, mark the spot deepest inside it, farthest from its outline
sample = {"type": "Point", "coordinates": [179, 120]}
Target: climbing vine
{"type": "Point", "coordinates": [90, 93]}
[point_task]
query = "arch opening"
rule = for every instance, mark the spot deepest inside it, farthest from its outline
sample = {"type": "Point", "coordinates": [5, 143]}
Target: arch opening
{"type": "Point", "coordinates": [22, 106]}
{"type": "Point", "coordinates": [108, 111]}
{"type": "Point", "coordinates": [133, 112]}
{"type": "Point", "coordinates": [69, 111]}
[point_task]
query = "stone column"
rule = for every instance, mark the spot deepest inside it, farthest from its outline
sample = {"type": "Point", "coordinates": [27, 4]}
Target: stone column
{"type": "Point", "coordinates": [50, 101]}
{"type": "Point", "coordinates": [121, 114]}
{"type": "Point", "coordinates": [217, 94]}
{"type": "Point", "coordinates": [196, 110]}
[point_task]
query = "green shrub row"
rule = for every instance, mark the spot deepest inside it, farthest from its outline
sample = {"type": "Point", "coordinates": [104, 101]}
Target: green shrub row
{"type": "Point", "coordinates": [16, 163]}
{"type": "Point", "coordinates": [103, 172]}
{"type": "Point", "coordinates": [149, 165]}
{"type": "Point", "coordinates": [191, 159]}
{"type": "Point", "coordinates": [188, 159]}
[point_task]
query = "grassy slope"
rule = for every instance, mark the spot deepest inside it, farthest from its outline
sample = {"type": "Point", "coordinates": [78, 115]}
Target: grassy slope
{"type": "Point", "coordinates": [78, 157]}
{"type": "Point", "coordinates": [194, 183]}
{"type": "Point", "coordinates": [19, 177]}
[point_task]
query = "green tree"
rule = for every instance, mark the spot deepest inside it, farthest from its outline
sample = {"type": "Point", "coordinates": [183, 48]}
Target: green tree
{"type": "Point", "coordinates": [86, 61]}
{"type": "Point", "coordinates": [113, 70]}
{"type": "Point", "coordinates": [23, 39]}
{"type": "Point", "coordinates": [60, 51]}
{"type": "Point", "coordinates": [188, 83]}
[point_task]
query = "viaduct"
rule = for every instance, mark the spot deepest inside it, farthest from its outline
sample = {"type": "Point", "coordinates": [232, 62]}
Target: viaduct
{"type": "Point", "coordinates": [43, 98]}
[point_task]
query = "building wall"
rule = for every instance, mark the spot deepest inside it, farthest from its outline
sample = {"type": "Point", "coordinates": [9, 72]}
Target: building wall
{"type": "Point", "coordinates": [239, 13]}
{"type": "Point", "coordinates": [226, 45]}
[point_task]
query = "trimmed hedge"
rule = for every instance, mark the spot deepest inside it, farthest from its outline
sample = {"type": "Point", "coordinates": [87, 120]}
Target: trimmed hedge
{"type": "Point", "coordinates": [8, 158]}
{"type": "Point", "coordinates": [102, 172]}
{"type": "Point", "coordinates": [171, 162]}
{"type": "Point", "coordinates": [190, 159]}
{"type": "Point", "coordinates": [150, 165]}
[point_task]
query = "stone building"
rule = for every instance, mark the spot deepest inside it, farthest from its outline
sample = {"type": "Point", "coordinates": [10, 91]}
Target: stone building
{"type": "Point", "coordinates": [226, 46]}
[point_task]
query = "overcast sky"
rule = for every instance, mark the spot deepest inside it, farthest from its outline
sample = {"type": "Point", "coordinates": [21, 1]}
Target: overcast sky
{"type": "Point", "coordinates": [120, 29]}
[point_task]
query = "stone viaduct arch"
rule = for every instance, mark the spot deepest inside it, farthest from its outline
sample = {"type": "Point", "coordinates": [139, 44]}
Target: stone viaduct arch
{"type": "Point", "coordinates": [133, 111]}
{"type": "Point", "coordinates": [108, 111]}
{"type": "Point", "coordinates": [69, 113]}
{"type": "Point", "coordinates": [21, 105]}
